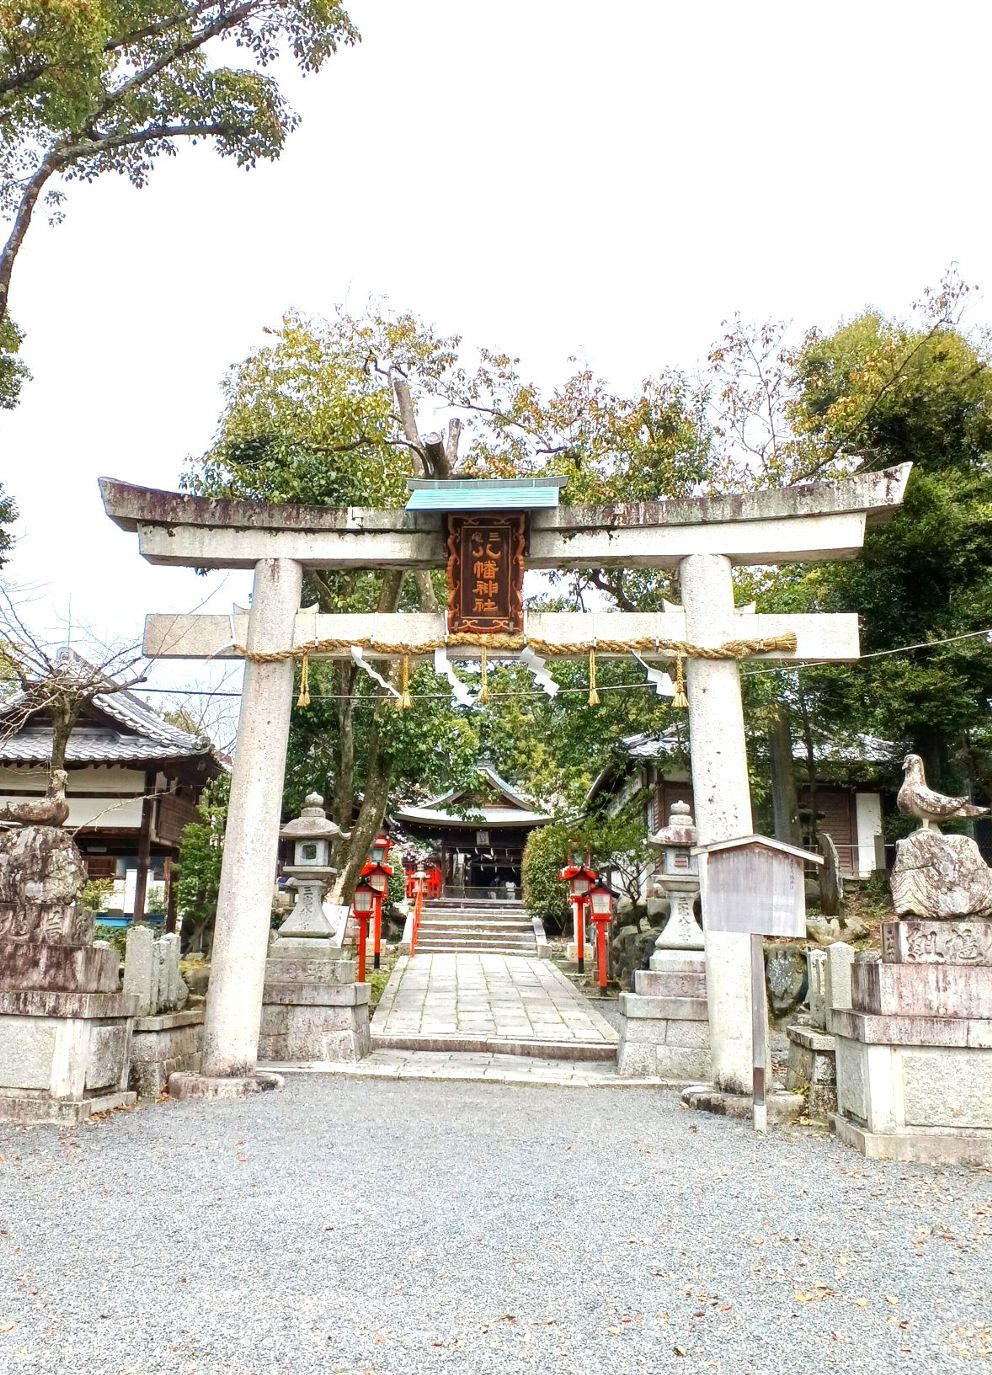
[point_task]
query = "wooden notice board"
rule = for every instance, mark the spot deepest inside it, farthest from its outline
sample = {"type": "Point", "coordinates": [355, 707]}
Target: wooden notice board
{"type": "Point", "coordinates": [486, 555]}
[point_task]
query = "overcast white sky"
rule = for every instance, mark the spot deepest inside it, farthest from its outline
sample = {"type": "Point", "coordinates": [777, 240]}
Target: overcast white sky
{"type": "Point", "coordinates": [545, 176]}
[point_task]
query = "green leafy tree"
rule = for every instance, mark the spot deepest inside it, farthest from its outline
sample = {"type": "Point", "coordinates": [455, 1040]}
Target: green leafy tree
{"type": "Point", "coordinates": [8, 514]}
{"type": "Point", "coordinates": [95, 86]}
{"type": "Point", "coordinates": [893, 392]}
{"type": "Point", "coordinates": [201, 849]}
{"type": "Point", "coordinates": [544, 894]}
{"type": "Point", "coordinates": [13, 373]}
{"type": "Point", "coordinates": [326, 413]}
{"type": "Point", "coordinates": [874, 392]}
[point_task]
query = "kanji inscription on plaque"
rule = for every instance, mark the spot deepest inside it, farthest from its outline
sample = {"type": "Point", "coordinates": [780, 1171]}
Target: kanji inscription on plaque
{"type": "Point", "coordinates": [485, 574]}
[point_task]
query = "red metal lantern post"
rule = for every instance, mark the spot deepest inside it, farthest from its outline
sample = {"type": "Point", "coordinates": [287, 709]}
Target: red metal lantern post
{"type": "Point", "coordinates": [363, 904]}
{"type": "Point", "coordinates": [580, 878]}
{"type": "Point", "coordinates": [377, 874]}
{"type": "Point", "coordinates": [601, 901]}
{"type": "Point", "coordinates": [420, 882]}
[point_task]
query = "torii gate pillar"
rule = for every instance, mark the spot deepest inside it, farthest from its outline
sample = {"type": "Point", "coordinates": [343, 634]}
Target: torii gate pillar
{"type": "Point", "coordinates": [244, 903]}
{"type": "Point", "coordinates": [721, 799]}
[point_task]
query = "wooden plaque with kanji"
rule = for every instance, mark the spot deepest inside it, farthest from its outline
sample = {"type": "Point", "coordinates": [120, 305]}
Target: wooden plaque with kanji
{"type": "Point", "coordinates": [486, 557]}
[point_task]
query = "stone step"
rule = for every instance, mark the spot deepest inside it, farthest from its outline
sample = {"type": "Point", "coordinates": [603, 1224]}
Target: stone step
{"type": "Point", "coordinates": [471, 923]}
{"type": "Point", "coordinates": [459, 933]}
{"type": "Point", "coordinates": [439, 947]}
{"type": "Point", "coordinates": [549, 1050]}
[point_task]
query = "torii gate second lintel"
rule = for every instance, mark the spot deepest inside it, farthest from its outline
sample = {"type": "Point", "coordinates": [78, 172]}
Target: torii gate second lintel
{"type": "Point", "coordinates": [703, 538]}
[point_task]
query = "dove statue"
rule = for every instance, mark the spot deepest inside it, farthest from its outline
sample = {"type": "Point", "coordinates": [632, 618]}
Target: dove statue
{"type": "Point", "coordinates": [41, 811]}
{"type": "Point", "coordinates": [916, 799]}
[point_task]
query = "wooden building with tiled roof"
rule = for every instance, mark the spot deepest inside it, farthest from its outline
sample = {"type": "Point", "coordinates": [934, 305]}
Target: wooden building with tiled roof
{"type": "Point", "coordinates": [133, 783]}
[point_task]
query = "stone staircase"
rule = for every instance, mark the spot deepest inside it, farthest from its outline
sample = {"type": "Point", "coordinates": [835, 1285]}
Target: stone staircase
{"type": "Point", "coordinates": [484, 926]}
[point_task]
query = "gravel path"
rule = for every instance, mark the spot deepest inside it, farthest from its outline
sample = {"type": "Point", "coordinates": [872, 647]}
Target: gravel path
{"type": "Point", "coordinates": [388, 1228]}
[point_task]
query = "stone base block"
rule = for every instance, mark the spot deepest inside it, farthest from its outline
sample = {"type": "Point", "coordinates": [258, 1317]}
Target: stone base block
{"type": "Point", "coordinates": [665, 1033]}
{"type": "Point", "coordinates": [161, 1046]}
{"type": "Point", "coordinates": [63, 1048]}
{"type": "Point", "coordinates": [915, 1145]}
{"type": "Point", "coordinates": [675, 962]}
{"type": "Point", "coordinates": [916, 941]}
{"type": "Point", "coordinates": [781, 1107]}
{"type": "Point", "coordinates": [314, 1022]}
{"type": "Point", "coordinates": [58, 968]}
{"type": "Point", "coordinates": [812, 1070]}
{"type": "Point", "coordinates": [23, 1108]}
{"type": "Point", "coordinates": [306, 968]}
{"type": "Point", "coordinates": [892, 1088]}
{"type": "Point", "coordinates": [921, 990]}
{"type": "Point", "coordinates": [184, 1086]}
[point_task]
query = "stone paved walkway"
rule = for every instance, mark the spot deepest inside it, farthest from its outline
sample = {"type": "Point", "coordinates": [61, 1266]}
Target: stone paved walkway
{"type": "Point", "coordinates": [477, 1001]}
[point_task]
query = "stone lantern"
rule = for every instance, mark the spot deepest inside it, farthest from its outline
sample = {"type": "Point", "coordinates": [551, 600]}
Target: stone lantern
{"type": "Point", "coordinates": [312, 835]}
{"type": "Point", "coordinates": [680, 880]}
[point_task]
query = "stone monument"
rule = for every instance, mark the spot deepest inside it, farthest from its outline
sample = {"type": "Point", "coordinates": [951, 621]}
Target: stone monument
{"type": "Point", "coordinates": [664, 1026]}
{"type": "Point", "coordinates": [914, 1050]}
{"type": "Point", "coordinates": [167, 1036]}
{"type": "Point", "coordinates": [65, 1028]}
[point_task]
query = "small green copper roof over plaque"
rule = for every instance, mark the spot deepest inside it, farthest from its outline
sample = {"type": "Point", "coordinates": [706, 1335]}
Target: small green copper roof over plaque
{"type": "Point", "coordinates": [484, 493]}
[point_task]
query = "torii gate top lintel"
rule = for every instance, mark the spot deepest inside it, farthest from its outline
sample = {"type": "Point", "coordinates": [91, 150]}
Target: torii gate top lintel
{"type": "Point", "coordinates": [817, 520]}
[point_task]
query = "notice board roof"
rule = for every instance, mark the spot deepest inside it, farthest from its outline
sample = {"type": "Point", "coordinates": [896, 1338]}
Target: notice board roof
{"type": "Point", "coordinates": [484, 493]}
{"type": "Point", "coordinates": [763, 842]}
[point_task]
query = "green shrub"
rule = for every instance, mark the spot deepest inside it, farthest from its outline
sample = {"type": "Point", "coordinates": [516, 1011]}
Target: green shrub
{"type": "Point", "coordinates": [545, 895]}
{"type": "Point", "coordinates": [95, 894]}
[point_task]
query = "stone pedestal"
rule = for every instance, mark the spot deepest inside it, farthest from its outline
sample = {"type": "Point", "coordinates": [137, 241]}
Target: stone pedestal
{"type": "Point", "coordinates": [812, 1067]}
{"type": "Point", "coordinates": [914, 1050]}
{"type": "Point", "coordinates": [312, 1009]}
{"type": "Point", "coordinates": [63, 1056]}
{"type": "Point", "coordinates": [163, 1044]}
{"type": "Point", "coordinates": [812, 1070]}
{"type": "Point", "coordinates": [664, 1028]}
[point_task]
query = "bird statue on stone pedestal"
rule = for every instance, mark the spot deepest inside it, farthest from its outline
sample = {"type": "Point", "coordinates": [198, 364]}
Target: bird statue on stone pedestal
{"type": "Point", "coordinates": [51, 810]}
{"type": "Point", "coordinates": [917, 800]}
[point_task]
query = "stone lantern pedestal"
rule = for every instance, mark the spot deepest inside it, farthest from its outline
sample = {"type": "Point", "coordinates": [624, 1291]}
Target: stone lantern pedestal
{"type": "Point", "coordinates": [664, 1028]}
{"type": "Point", "coordinates": [312, 1008]}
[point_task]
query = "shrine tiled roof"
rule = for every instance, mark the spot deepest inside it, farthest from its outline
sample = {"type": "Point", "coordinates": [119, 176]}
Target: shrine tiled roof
{"type": "Point", "coordinates": [131, 730]}
{"type": "Point", "coordinates": [95, 746]}
{"type": "Point", "coordinates": [517, 810]}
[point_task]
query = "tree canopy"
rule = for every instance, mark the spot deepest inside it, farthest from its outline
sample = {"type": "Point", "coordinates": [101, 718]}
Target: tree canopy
{"type": "Point", "coordinates": [95, 86]}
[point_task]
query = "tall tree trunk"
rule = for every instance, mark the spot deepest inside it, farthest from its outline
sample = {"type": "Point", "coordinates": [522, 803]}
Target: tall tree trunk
{"type": "Point", "coordinates": [810, 766]}
{"type": "Point", "coordinates": [785, 797]}
{"type": "Point", "coordinates": [342, 805]}
{"type": "Point", "coordinates": [22, 219]}
{"type": "Point", "coordinates": [64, 711]}
{"type": "Point", "coordinates": [379, 775]}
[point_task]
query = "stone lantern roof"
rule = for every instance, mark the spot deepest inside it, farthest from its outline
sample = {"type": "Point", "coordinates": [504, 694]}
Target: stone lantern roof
{"type": "Point", "coordinates": [680, 831]}
{"type": "Point", "coordinates": [312, 823]}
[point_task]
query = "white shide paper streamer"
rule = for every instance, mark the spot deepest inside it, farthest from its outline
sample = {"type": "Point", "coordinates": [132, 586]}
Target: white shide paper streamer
{"type": "Point", "coordinates": [442, 665]}
{"type": "Point", "coordinates": [658, 678]}
{"type": "Point", "coordinates": [540, 674]}
{"type": "Point", "coordinates": [358, 655]}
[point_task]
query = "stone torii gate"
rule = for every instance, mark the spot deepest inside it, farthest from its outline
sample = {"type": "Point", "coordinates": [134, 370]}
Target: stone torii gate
{"type": "Point", "coordinates": [702, 538]}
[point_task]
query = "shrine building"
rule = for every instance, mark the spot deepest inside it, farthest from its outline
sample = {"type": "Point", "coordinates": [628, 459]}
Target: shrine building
{"type": "Point", "coordinates": [476, 836]}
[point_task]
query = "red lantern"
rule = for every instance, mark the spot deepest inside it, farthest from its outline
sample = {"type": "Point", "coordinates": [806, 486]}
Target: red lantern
{"type": "Point", "coordinates": [364, 904]}
{"type": "Point", "coordinates": [601, 901]}
{"type": "Point", "coordinates": [377, 873]}
{"type": "Point", "coordinates": [380, 848]}
{"type": "Point", "coordinates": [580, 878]}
